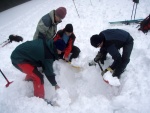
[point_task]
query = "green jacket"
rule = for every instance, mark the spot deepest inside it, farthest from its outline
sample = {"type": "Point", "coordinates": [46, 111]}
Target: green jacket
{"type": "Point", "coordinates": [46, 26]}
{"type": "Point", "coordinates": [38, 53]}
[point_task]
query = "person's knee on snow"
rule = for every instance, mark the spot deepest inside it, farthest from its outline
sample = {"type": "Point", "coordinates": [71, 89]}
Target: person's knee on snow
{"type": "Point", "coordinates": [75, 53]}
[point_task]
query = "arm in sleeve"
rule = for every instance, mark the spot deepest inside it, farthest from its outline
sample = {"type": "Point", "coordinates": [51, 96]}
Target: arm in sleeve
{"type": "Point", "coordinates": [56, 37]}
{"type": "Point", "coordinates": [68, 48]}
{"type": "Point", "coordinates": [48, 70]}
{"type": "Point", "coordinates": [113, 51]}
{"type": "Point", "coordinates": [42, 28]}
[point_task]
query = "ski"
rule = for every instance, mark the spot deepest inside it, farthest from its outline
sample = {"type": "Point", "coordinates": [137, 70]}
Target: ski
{"type": "Point", "coordinates": [127, 22]}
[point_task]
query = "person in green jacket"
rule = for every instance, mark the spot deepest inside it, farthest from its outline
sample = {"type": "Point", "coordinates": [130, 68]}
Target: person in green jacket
{"type": "Point", "coordinates": [38, 53]}
{"type": "Point", "coordinates": [47, 26]}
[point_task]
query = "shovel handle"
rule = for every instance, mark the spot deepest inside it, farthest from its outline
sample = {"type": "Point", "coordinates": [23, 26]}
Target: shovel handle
{"type": "Point", "coordinates": [100, 66]}
{"type": "Point", "coordinates": [8, 83]}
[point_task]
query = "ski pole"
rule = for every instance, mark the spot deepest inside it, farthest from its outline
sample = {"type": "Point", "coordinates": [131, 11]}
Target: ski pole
{"type": "Point", "coordinates": [135, 11]}
{"type": "Point", "coordinates": [132, 11]}
{"type": "Point", "coordinates": [135, 2]}
{"type": "Point", "coordinates": [8, 83]}
{"type": "Point", "coordinates": [76, 8]}
{"type": "Point", "coordinates": [91, 2]}
{"type": "Point", "coordinates": [4, 42]}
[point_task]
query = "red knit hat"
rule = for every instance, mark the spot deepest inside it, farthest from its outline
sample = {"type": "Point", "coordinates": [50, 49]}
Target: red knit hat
{"type": "Point", "coordinates": [61, 12]}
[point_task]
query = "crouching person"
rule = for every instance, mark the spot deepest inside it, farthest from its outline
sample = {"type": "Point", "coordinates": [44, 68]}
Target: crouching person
{"type": "Point", "coordinates": [110, 41]}
{"type": "Point", "coordinates": [71, 51]}
{"type": "Point", "coordinates": [38, 53]}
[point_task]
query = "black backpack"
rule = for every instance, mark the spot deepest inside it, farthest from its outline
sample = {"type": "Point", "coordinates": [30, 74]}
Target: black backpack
{"type": "Point", "coordinates": [145, 25]}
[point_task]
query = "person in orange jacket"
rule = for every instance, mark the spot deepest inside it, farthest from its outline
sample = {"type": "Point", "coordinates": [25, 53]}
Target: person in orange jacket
{"type": "Point", "coordinates": [68, 36]}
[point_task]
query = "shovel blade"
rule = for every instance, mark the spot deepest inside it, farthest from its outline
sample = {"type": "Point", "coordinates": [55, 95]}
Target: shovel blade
{"type": "Point", "coordinates": [8, 84]}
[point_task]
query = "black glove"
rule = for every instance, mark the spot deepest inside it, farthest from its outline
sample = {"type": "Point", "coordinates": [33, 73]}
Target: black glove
{"type": "Point", "coordinates": [100, 57]}
{"type": "Point", "coordinates": [15, 38]}
{"type": "Point", "coordinates": [92, 63]}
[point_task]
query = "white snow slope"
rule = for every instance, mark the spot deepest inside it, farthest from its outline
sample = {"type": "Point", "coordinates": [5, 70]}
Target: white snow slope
{"type": "Point", "coordinates": [82, 91]}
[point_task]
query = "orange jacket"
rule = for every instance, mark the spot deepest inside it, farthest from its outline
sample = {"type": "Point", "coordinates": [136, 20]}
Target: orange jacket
{"type": "Point", "coordinates": [70, 42]}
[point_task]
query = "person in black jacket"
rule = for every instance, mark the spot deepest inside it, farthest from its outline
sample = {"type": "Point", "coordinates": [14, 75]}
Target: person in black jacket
{"type": "Point", "coordinates": [110, 41]}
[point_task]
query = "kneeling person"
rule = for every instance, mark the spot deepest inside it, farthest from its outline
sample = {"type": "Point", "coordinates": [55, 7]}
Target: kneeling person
{"type": "Point", "coordinates": [68, 36]}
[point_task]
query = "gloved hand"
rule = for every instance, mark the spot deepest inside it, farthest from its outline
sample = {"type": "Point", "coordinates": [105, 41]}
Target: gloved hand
{"type": "Point", "coordinates": [67, 59]}
{"type": "Point", "coordinates": [92, 63]}
{"type": "Point", "coordinates": [108, 69]}
{"type": "Point", "coordinates": [100, 57]}
{"type": "Point", "coordinates": [56, 87]}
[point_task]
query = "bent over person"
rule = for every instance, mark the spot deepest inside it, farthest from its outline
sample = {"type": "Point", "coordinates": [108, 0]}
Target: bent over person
{"type": "Point", "coordinates": [71, 51]}
{"type": "Point", "coordinates": [110, 41]}
{"type": "Point", "coordinates": [47, 26]}
{"type": "Point", "coordinates": [38, 53]}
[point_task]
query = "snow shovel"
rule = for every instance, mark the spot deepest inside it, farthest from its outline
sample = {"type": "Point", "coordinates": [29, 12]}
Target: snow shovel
{"type": "Point", "coordinates": [100, 66]}
{"type": "Point", "coordinates": [8, 83]}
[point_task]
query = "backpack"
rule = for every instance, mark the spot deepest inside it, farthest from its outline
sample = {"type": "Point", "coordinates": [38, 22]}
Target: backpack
{"type": "Point", "coordinates": [145, 25]}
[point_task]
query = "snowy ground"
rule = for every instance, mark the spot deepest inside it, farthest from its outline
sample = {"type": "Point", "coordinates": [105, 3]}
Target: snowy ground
{"type": "Point", "coordinates": [82, 91]}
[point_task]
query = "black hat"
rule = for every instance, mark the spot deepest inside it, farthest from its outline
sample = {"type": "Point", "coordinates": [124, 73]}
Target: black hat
{"type": "Point", "coordinates": [69, 28]}
{"type": "Point", "coordinates": [96, 40]}
{"type": "Point", "coordinates": [60, 44]}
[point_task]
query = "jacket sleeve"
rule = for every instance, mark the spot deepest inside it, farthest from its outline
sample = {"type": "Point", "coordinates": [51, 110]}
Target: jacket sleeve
{"type": "Point", "coordinates": [68, 48]}
{"type": "Point", "coordinates": [43, 25]}
{"type": "Point", "coordinates": [56, 37]}
{"type": "Point", "coordinates": [42, 28]}
{"type": "Point", "coordinates": [113, 51]}
{"type": "Point", "coordinates": [48, 70]}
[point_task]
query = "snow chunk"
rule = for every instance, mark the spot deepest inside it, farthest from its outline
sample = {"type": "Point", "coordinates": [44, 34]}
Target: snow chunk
{"type": "Point", "coordinates": [114, 81]}
{"type": "Point", "coordinates": [62, 98]}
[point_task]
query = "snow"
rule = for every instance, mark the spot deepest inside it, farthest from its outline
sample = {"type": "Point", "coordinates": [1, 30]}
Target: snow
{"type": "Point", "coordinates": [82, 90]}
{"type": "Point", "coordinates": [114, 81]}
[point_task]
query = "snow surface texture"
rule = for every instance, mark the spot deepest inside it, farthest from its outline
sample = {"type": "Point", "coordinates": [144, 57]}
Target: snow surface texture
{"type": "Point", "coordinates": [82, 91]}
